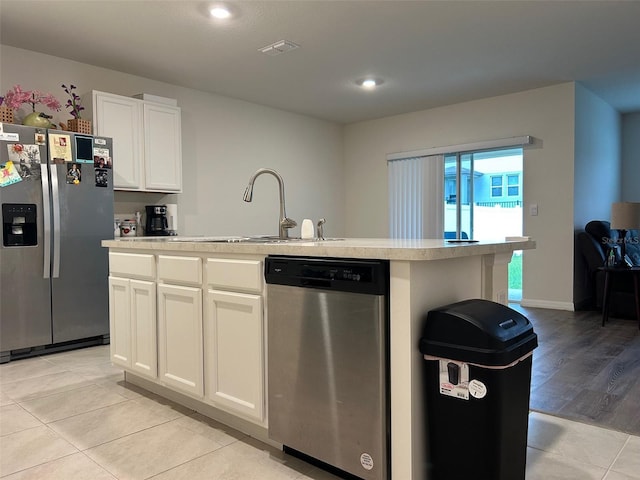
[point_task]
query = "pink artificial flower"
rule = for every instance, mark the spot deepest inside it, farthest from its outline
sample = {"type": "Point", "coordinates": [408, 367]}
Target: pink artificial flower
{"type": "Point", "coordinates": [50, 101]}
{"type": "Point", "coordinates": [16, 97]}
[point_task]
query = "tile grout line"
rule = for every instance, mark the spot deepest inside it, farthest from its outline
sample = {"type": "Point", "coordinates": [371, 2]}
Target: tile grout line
{"type": "Point", "coordinates": [609, 469]}
{"type": "Point", "coordinates": [75, 414]}
{"type": "Point", "coordinates": [193, 459]}
{"type": "Point", "coordinates": [125, 436]}
{"type": "Point", "coordinates": [39, 464]}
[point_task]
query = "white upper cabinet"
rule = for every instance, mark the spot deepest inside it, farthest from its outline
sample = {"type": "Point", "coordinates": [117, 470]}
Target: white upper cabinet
{"type": "Point", "coordinates": [162, 147]}
{"type": "Point", "coordinates": [120, 118]}
{"type": "Point", "coordinates": [147, 145]}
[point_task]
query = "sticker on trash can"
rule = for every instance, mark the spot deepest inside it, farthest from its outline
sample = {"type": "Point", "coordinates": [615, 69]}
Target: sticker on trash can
{"type": "Point", "coordinates": [366, 461]}
{"type": "Point", "coordinates": [477, 389]}
{"type": "Point", "coordinates": [454, 379]}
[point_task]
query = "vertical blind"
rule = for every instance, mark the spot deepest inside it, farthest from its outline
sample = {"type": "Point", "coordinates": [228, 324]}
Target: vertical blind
{"type": "Point", "coordinates": [415, 197]}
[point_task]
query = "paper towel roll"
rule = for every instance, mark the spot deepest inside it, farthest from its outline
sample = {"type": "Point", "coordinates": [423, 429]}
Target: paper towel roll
{"type": "Point", "coordinates": [172, 217]}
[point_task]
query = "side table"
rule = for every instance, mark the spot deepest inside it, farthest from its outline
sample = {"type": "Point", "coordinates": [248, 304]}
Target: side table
{"type": "Point", "coordinates": [608, 273]}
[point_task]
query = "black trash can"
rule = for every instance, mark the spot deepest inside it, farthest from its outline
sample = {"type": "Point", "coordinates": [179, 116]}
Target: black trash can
{"type": "Point", "coordinates": [477, 380]}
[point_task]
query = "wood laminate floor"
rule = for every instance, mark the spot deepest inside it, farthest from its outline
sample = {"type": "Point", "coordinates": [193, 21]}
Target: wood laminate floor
{"type": "Point", "coordinates": [585, 372]}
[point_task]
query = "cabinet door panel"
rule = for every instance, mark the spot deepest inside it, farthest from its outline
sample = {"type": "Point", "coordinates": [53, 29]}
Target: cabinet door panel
{"type": "Point", "coordinates": [144, 356]}
{"type": "Point", "coordinates": [119, 118]}
{"type": "Point", "coordinates": [235, 367]}
{"type": "Point", "coordinates": [120, 321]}
{"type": "Point", "coordinates": [180, 337]}
{"type": "Point", "coordinates": [162, 147]}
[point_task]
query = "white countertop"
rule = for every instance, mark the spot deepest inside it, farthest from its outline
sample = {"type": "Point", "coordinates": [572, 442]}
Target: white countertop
{"type": "Point", "coordinates": [379, 248]}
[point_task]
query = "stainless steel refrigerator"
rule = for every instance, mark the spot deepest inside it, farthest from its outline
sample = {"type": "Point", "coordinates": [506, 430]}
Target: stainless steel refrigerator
{"type": "Point", "coordinates": [56, 195]}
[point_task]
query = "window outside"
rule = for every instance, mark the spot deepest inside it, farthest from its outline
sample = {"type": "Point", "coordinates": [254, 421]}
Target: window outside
{"type": "Point", "coordinates": [496, 186]}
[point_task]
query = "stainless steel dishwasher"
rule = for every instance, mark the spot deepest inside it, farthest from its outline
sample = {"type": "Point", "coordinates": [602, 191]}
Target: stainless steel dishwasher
{"type": "Point", "coordinates": [328, 361]}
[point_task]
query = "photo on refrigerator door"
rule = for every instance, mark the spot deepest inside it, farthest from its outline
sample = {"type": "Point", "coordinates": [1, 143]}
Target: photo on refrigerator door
{"type": "Point", "coordinates": [102, 177]}
{"type": "Point", "coordinates": [8, 174]}
{"type": "Point", "coordinates": [26, 159]}
{"type": "Point", "coordinates": [59, 148]}
{"type": "Point", "coordinates": [74, 173]}
{"type": "Point", "coordinates": [101, 158]}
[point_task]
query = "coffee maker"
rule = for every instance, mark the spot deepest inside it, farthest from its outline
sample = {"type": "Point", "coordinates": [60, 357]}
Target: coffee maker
{"type": "Point", "coordinates": [156, 224]}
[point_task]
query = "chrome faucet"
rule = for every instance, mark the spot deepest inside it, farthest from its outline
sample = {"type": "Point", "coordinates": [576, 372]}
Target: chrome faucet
{"type": "Point", "coordinates": [321, 222]}
{"type": "Point", "coordinates": [285, 223]}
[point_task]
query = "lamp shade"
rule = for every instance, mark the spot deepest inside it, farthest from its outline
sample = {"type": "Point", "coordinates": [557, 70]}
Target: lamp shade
{"type": "Point", "coordinates": [625, 215]}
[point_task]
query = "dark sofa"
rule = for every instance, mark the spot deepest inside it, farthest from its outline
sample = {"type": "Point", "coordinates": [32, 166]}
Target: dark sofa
{"type": "Point", "coordinates": [593, 246]}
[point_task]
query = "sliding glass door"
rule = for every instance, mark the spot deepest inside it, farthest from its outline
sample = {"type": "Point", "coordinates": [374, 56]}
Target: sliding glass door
{"type": "Point", "coordinates": [470, 191]}
{"type": "Point", "coordinates": [483, 201]}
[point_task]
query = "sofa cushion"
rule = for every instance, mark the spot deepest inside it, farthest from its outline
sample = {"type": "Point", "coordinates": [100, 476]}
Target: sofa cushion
{"type": "Point", "coordinates": [601, 231]}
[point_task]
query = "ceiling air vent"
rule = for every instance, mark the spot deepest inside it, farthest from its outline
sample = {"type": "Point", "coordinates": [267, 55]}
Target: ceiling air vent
{"type": "Point", "coordinates": [281, 46]}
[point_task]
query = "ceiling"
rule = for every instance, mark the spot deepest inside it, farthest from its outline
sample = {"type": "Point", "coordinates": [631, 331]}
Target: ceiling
{"type": "Point", "coordinates": [429, 53]}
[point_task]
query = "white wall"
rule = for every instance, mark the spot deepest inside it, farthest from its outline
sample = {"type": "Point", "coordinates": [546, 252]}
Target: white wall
{"type": "Point", "coordinates": [224, 141]}
{"type": "Point", "coordinates": [547, 114]}
{"type": "Point", "coordinates": [597, 173]}
{"type": "Point", "coordinates": [598, 166]}
{"type": "Point", "coordinates": [341, 173]}
{"type": "Point", "coordinates": [631, 157]}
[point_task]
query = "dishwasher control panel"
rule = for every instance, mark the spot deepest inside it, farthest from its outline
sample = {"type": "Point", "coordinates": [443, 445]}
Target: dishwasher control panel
{"type": "Point", "coordinates": [368, 276]}
{"type": "Point", "coordinates": [349, 274]}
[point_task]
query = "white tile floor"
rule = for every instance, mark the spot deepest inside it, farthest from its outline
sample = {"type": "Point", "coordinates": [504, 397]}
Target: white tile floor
{"type": "Point", "coordinates": [69, 416]}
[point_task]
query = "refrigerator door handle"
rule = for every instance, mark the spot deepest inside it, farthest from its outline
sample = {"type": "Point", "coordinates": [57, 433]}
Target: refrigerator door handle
{"type": "Point", "coordinates": [56, 221]}
{"type": "Point", "coordinates": [46, 215]}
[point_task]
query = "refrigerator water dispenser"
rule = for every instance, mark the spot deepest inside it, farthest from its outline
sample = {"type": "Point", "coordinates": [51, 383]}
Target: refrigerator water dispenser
{"type": "Point", "coordinates": [19, 225]}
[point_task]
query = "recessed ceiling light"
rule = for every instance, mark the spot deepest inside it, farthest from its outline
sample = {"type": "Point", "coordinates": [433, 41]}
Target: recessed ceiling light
{"type": "Point", "coordinates": [369, 83]}
{"type": "Point", "coordinates": [219, 11]}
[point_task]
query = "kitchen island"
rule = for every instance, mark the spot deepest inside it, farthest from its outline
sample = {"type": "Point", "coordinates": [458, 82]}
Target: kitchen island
{"type": "Point", "coordinates": [205, 300]}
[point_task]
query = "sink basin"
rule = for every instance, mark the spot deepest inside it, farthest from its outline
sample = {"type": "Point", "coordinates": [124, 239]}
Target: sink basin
{"type": "Point", "coordinates": [275, 239]}
{"type": "Point", "coordinates": [257, 239]}
{"type": "Point", "coordinates": [252, 239]}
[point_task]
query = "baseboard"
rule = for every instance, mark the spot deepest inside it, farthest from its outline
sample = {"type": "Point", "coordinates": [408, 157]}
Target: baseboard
{"type": "Point", "coordinates": [531, 302]}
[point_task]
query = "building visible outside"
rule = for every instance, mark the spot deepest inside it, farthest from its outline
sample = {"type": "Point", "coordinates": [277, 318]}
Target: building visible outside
{"type": "Point", "coordinates": [490, 201]}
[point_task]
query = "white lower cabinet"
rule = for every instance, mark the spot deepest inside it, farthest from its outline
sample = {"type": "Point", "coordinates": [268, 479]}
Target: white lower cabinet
{"type": "Point", "coordinates": [180, 338]}
{"type": "Point", "coordinates": [120, 321]}
{"type": "Point", "coordinates": [132, 319]}
{"type": "Point", "coordinates": [235, 353]}
{"type": "Point", "coordinates": [144, 339]}
{"type": "Point", "coordinates": [212, 348]}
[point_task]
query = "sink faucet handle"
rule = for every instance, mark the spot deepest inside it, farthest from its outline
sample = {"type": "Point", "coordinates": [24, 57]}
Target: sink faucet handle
{"type": "Point", "coordinates": [288, 223]}
{"type": "Point", "coordinates": [285, 224]}
{"type": "Point", "coordinates": [320, 229]}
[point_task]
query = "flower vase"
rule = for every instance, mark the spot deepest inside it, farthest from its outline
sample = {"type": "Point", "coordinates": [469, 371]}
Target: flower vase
{"type": "Point", "coordinates": [36, 119]}
{"type": "Point", "coordinates": [79, 125]}
{"type": "Point", "coordinates": [6, 114]}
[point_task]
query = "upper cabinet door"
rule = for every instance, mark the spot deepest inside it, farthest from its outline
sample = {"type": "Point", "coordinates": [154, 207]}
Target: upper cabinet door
{"type": "Point", "coordinates": [162, 147]}
{"type": "Point", "coordinates": [120, 118]}
{"type": "Point", "coordinates": [147, 142]}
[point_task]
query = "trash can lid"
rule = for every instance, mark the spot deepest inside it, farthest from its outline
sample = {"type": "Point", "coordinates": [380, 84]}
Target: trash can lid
{"type": "Point", "coordinates": [478, 331]}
